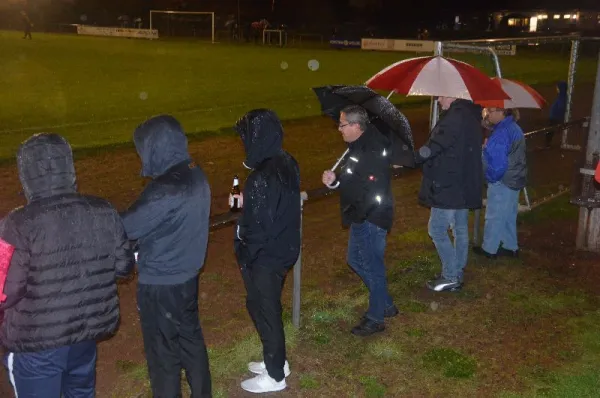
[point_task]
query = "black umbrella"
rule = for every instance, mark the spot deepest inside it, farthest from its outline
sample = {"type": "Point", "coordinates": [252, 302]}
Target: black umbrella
{"type": "Point", "coordinates": [382, 114]}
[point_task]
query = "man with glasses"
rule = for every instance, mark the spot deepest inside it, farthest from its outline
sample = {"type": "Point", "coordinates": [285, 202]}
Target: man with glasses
{"type": "Point", "coordinates": [367, 207]}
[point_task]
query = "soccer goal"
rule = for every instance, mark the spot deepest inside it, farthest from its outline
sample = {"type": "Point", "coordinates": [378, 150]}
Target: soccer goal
{"type": "Point", "coordinates": [198, 24]}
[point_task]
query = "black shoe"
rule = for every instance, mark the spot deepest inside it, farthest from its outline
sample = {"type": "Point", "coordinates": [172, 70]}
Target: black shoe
{"type": "Point", "coordinates": [508, 253]}
{"type": "Point", "coordinates": [391, 312]}
{"type": "Point", "coordinates": [480, 252]}
{"type": "Point", "coordinates": [367, 327]}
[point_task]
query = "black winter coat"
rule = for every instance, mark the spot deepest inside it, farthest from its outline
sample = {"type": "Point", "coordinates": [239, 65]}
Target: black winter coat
{"type": "Point", "coordinates": [268, 231]}
{"type": "Point", "coordinates": [453, 171]}
{"type": "Point", "coordinates": [170, 219]}
{"type": "Point", "coordinates": [68, 249]}
{"type": "Point", "coordinates": [364, 180]}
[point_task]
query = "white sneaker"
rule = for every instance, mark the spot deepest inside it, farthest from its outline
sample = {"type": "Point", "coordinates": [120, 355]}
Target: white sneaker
{"type": "Point", "coordinates": [260, 367]}
{"type": "Point", "coordinates": [263, 383]}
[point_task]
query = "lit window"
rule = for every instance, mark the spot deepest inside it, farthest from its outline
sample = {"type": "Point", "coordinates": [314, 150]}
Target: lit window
{"type": "Point", "coordinates": [567, 16]}
{"type": "Point", "coordinates": [556, 16]}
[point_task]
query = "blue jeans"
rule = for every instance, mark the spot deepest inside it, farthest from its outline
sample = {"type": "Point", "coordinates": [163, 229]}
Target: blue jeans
{"type": "Point", "coordinates": [500, 218]}
{"type": "Point", "coordinates": [68, 371]}
{"type": "Point", "coordinates": [366, 249]}
{"type": "Point", "coordinates": [452, 256]}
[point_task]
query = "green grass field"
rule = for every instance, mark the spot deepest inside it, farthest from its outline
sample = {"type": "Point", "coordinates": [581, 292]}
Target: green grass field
{"type": "Point", "coordinates": [96, 90]}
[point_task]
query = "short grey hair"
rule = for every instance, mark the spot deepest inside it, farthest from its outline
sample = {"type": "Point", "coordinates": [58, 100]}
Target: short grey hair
{"type": "Point", "coordinates": [356, 114]}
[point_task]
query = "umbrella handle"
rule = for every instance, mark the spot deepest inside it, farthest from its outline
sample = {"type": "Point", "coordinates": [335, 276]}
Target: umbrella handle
{"type": "Point", "coordinates": [340, 160]}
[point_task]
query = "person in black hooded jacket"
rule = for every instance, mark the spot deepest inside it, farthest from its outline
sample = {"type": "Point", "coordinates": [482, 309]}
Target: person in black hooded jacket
{"type": "Point", "coordinates": [452, 185]}
{"type": "Point", "coordinates": [170, 223]}
{"type": "Point", "coordinates": [267, 239]}
{"type": "Point", "coordinates": [63, 251]}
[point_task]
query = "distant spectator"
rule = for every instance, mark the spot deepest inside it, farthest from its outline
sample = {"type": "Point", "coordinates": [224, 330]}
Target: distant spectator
{"type": "Point", "coordinates": [557, 110]}
{"type": "Point", "coordinates": [505, 167]}
{"type": "Point", "coordinates": [27, 25]}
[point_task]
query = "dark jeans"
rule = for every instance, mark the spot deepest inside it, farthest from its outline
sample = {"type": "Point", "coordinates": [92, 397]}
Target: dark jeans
{"type": "Point", "coordinates": [263, 301]}
{"type": "Point", "coordinates": [550, 133]}
{"type": "Point", "coordinates": [68, 372]}
{"type": "Point", "coordinates": [366, 250]}
{"type": "Point", "coordinates": [173, 339]}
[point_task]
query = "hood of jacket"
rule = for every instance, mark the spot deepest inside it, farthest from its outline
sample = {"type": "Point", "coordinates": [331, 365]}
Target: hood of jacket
{"type": "Point", "coordinates": [262, 135]}
{"type": "Point", "coordinates": [468, 106]}
{"type": "Point", "coordinates": [161, 144]}
{"type": "Point", "coordinates": [562, 88]}
{"type": "Point", "coordinates": [45, 164]}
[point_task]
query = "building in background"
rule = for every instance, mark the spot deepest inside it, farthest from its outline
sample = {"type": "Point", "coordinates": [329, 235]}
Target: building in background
{"type": "Point", "coordinates": [547, 21]}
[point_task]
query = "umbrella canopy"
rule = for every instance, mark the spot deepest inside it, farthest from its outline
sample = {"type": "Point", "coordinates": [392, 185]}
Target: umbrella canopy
{"type": "Point", "coordinates": [382, 114]}
{"type": "Point", "coordinates": [522, 96]}
{"type": "Point", "coordinates": [437, 77]}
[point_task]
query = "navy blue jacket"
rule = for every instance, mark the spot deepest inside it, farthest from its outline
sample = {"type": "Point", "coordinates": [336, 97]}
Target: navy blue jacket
{"type": "Point", "coordinates": [559, 106]}
{"type": "Point", "coordinates": [170, 219]}
{"type": "Point", "coordinates": [268, 231]}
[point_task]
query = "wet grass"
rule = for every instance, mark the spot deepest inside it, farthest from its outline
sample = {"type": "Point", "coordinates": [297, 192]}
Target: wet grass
{"type": "Point", "coordinates": [511, 332]}
{"type": "Point", "coordinates": [95, 90]}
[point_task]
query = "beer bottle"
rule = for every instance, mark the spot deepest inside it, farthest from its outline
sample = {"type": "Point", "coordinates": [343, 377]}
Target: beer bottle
{"type": "Point", "coordinates": [234, 204]}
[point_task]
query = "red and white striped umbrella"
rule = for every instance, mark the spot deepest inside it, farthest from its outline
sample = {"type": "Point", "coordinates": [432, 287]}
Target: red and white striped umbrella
{"type": "Point", "coordinates": [522, 96]}
{"type": "Point", "coordinates": [437, 77]}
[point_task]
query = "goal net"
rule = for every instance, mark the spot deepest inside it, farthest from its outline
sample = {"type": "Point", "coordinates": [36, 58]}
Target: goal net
{"type": "Point", "coordinates": [184, 24]}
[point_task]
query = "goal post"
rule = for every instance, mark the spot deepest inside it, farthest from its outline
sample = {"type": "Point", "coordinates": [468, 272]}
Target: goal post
{"type": "Point", "coordinates": [154, 13]}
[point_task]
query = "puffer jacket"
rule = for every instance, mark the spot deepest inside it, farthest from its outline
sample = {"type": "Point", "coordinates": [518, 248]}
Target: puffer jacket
{"type": "Point", "coordinates": [268, 231]}
{"type": "Point", "coordinates": [67, 250]}
{"type": "Point", "coordinates": [504, 155]}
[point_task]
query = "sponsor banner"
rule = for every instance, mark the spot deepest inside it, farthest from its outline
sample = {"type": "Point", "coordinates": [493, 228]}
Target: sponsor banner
{"type": "Point", "coordinates": [377, 44]}
{"type": "Point", "coordinates": [117, 32]}
{"type": "Point", "coordinates": [340, 43]}
{"type": "Point", "coordinates": [414, 45]}
{"type": "Point", "coordinates": [426, 46]}
{"type": "Point", "coordinates": [500, 49]}
{"type": "Point", "coordinates": [397, 45]}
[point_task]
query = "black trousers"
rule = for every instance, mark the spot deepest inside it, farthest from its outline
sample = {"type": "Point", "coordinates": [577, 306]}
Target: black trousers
{"type": "Point", "coordinates": [550, 133]}
{"type": "Point", "coordinates": [173, 339]}
{"type": "Point", "coordinates": [263, 301]}
{"type": "Point", "coordinates": [27, 32]}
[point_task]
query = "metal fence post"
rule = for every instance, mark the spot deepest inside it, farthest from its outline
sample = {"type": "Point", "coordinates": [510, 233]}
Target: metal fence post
{"type": "Point", "coordinates": [570, 86]}
{"type": "Point", "coordinates": [434, 112]}
{"type": "Point", "coordinates": [298, 271]}
{"type": "Point", "coordinates": [588, 229]}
